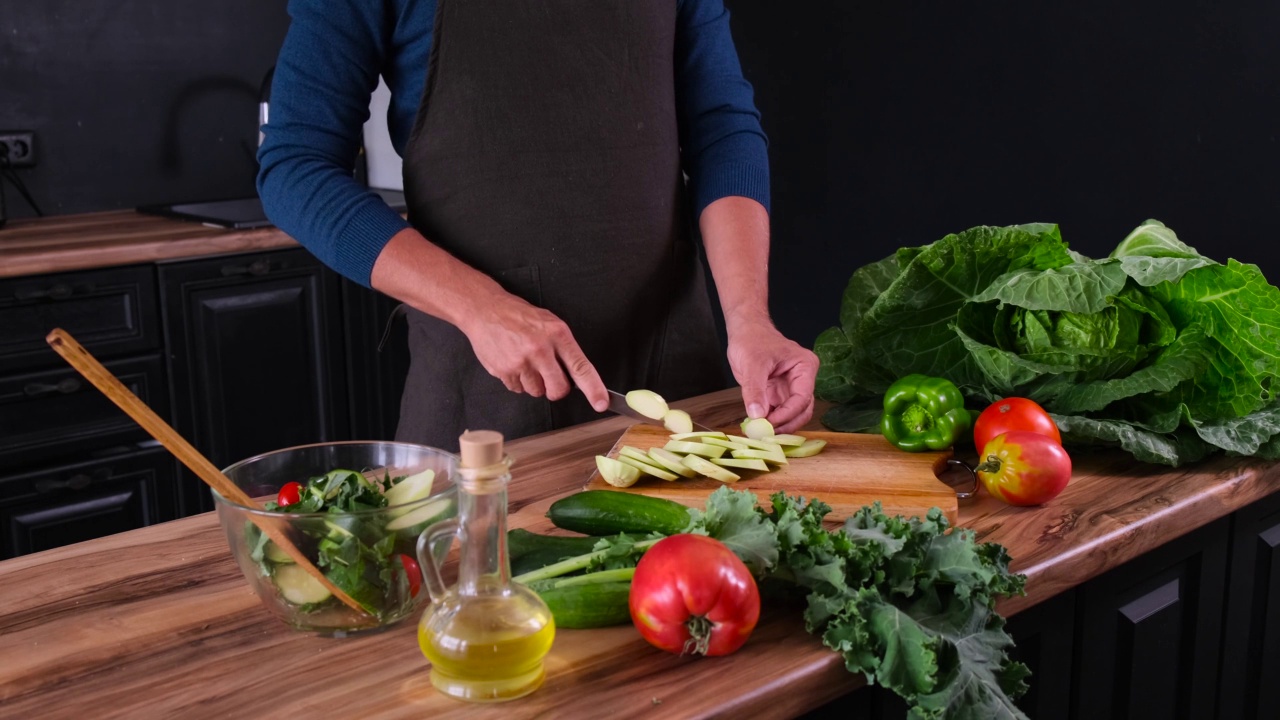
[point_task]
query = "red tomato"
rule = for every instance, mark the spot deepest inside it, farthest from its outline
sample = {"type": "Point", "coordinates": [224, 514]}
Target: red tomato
{"type": "Point", "coordinates": [414, 572]}
{"type": "Point", "coordinates": [1024, 468]}
{"type": "Point", "coordinates": [1013, 414]}
{"type": "Point", "coordinates": [691, 594]}
{"type": "Point", "coordinates": [290, 493]}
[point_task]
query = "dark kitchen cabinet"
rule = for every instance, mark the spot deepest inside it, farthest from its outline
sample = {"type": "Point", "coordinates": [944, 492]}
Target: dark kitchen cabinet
{"type": "Point", "coordinates": [1250, 668]}
{"type": "Point", "coordinates": [72, 465]}
{"type": "Point", "coordinates": [241, 353]}
{"type": "Point", "coordinates": [1045, 641]}
{"type": "Point", "coordinates": [1149, 632]}
{"type": "Point", "coordinates": [63, 504]}
{"type": "Point", "coordinates": [256, 357]}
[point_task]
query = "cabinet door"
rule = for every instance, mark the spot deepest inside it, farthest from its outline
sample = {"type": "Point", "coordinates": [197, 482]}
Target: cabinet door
{"type": "Point", "coordinates": [1150, 632]}
{"type": "Point", "coordinates": [377, 361]}
{"type": "Point", "coordinates": [1251, 644]}
{"type": "Point", "coordinates": [255, 356]}
{"type": "Point", "coordinates": [49, 416]}
{"type": "Point", "coordinates": [63, 505]}
{"type": "Point", "coordinates": [110, 312]}
{"type": "Point", "coordinates": [1045, 641]}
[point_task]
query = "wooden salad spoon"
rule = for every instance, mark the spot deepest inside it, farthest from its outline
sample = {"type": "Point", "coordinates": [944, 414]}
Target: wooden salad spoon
{"type": "Point", "coordinates": [116, 392]}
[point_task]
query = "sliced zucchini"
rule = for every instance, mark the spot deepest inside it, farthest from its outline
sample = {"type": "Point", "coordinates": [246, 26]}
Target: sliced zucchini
{"type": "Point", "coordinates": [273, 553]}
{"type": "Point", "coordinates": [777, 458]}
{"type": "Point", "coordinates": [710, 469]}
{"type": "Point", "coordinates": [617, 473]}
{"type": "Point", "coordinates": [677, 421]}
{"type": "Point", "coordinates": [742, 463]}
{"type": "Point", "coordinates": [648, 469]}
{"type": "Point", "coordinates": [648, 403]}
{"type": "Point", "coordinates": [681, 447]}
{"type": "Point", "coordinates": [638, 455]}
{"type": "Point", "coordinates": [756, 428]}
{"type": "Point", "coordinates": [726, 444]}
{"type": "Point", "coordinates": [411, 489]}
{"type": "Point", "coordinates": [699, 434]}
{"type": "Point", "coordinates": [757, 444]}
{"type": "Point", "coordinates": [430, 511]}
{"type": "Point", "coordinates": [671, 462]}
{"type": "Point", "coordinates": [808, 449]}
{"type": "Point", "coordinates": [785, 440]}
{"type": "Point", "coordinates": [297, 586]}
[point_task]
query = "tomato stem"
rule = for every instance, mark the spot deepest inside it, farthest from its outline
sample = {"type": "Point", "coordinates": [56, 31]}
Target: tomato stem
{"type": "Point", "coordinates": [699, 641]}
{"type": "Point", "coordinates": [992, 465]}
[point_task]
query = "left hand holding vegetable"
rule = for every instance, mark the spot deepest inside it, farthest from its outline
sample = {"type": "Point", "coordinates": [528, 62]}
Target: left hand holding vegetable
{"type": "Point", "coordinates": [776, 374]}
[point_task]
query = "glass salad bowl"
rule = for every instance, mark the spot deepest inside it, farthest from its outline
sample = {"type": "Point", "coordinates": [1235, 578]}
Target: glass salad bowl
{"type": "Point", "coordinates": [355, 512]}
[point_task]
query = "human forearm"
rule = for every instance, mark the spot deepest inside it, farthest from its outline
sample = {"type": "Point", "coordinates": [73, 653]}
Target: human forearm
{"type": "Point", "coordinates": [423, 275]}
{"type": "Point", "coordinates": [775, 373]}
{"type": "Point", "coordinates": [735, 233]}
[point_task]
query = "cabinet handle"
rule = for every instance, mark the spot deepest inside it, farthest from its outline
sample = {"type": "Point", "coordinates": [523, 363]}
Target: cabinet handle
{"type": "Point", "coordinates": [65, 387]}
{"type": "Point", "coordinates": [257, 268]}
{"type": "Point", "coordinates": [60, 291]}
{"type": "Point", "coordinates": [75, 482]}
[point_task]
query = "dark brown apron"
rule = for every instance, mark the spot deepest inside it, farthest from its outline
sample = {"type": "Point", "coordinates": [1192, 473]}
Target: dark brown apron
{"type": "Point", "coordinates": [545, 153]}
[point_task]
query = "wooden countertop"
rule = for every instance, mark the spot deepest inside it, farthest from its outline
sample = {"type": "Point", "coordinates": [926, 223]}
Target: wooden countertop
{"type": "Point", "coordinates": [159, 622]}
{"type": "Point", "coordinates": [92, 240]}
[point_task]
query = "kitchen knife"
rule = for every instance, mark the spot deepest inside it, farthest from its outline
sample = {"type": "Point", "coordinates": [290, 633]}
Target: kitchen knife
{"type": "Point", "coordinates": [618, 404]}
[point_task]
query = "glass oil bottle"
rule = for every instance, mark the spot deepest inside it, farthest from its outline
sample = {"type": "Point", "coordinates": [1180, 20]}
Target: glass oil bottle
{"type": "Point", "coordinates": [485, 636]}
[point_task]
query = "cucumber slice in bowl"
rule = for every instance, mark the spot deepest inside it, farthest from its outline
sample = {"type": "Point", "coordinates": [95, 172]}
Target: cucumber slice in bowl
{"type": "Point", "coordinates": [411, 489]}
{"type": "Point", "coordinates": [297, 586]}
{"type": "Point", "coordinates": [433, 510]}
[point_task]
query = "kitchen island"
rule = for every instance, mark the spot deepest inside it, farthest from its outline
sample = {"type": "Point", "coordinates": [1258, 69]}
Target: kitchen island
{"type": "Point", "coordinates": [159, 622]}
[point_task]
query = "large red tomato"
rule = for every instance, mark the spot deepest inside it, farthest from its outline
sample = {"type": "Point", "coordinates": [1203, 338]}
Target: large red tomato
{"type": "Point", "coordinates": [1013, 414]}
{"type": "Point", "coordinates": [1024, 468]}
{"type": "Point", "coordinates": [691, 594]}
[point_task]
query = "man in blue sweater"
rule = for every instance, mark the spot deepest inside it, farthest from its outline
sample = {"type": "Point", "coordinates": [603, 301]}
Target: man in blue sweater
{"type": "Point", "coordinates": [556, 154]}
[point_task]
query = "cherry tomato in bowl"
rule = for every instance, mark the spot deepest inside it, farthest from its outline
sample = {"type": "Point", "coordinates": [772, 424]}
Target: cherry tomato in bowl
{"type": "Point", "coordinates": [290, 493]}
{"type": "Point", "coordinates": [414, 572]}
{"type": "Point", "coordinates": [692, 594]}
{"type": "Point", "coordinates": [1024, 468]}
{"type": "Point", "coordinates": [1012, 414]}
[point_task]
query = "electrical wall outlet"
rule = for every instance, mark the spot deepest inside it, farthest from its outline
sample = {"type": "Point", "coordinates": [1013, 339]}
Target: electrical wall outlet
{"type": "Point", "coordinates": [17, 148]}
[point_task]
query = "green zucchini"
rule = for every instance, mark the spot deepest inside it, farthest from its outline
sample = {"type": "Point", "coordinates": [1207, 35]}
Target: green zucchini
{"type": "Point", "coordinates": [521, 542]}
{"type": "Point", "coordinates": [608, 512]}
{"type": "Point", "coordinates": [590, 605]}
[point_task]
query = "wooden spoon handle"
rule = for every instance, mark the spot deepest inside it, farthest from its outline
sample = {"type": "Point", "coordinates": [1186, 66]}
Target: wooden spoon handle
{"type": "Point", "coordinates": [94, 372]}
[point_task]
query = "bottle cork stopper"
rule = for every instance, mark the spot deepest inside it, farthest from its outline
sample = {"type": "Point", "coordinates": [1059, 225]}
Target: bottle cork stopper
{"type": "Point", "coordinates": [480, 448]}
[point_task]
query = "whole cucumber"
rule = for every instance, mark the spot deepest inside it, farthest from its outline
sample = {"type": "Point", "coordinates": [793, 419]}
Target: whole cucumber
{"type": "Point", "coordinates": [521, 542]}
{"type": "Point", "coordinates": [608, 512]}
{"type": "Point", "coordinates": [589, 606]}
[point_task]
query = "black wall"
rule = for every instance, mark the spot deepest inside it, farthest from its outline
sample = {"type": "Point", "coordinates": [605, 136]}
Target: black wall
{"type": "Point", "coordinates": [891, 123]}
{"type": "Point", "coordinates": [895, 123]}
{"type": "Point", "coordinates": [135, 101]}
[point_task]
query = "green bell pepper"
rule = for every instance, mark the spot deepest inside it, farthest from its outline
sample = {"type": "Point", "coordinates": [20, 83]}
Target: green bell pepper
{"type": "Point", "coordinates": [923, 413]}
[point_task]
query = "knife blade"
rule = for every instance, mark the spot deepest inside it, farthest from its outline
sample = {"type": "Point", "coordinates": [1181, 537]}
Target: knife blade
{"type": "Point", "coordinates": [618, 404]}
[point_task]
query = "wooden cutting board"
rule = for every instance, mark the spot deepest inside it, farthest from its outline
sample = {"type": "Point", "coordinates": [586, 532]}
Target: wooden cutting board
{"type": "Point", "coordinates": [853, 470]}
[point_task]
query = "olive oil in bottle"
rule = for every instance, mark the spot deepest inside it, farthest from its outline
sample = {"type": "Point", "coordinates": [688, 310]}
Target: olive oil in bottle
{"type": "Point", "coordinates": [486, 636]}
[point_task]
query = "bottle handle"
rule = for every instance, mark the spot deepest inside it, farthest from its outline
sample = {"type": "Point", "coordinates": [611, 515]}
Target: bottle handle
{"type": "Point", "coordinates": [427, 559]}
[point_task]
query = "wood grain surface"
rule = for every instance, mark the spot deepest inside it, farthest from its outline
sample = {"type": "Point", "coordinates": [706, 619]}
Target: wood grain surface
{"type": "Point", "coordinates": [159, 622]}
{"type": "Point", "coordinates": [851, 471]}
{"type": "Point", "coordinates": [76, 242]}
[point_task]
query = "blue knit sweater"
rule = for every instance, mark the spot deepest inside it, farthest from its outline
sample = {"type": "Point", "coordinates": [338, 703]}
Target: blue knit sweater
{"type": "Point", "coordinates": [329, 66]}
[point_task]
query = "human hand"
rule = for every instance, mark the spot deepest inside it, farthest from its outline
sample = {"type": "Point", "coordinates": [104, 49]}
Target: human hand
{"type": "Point", "coordinates": [776, 374]}
{"type": "Point", "coordinates": [529, 349]}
